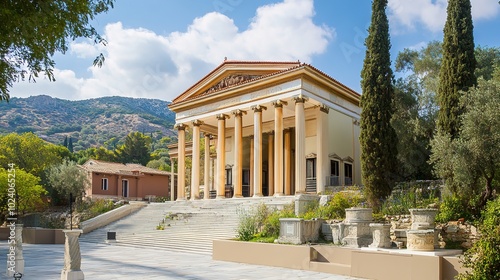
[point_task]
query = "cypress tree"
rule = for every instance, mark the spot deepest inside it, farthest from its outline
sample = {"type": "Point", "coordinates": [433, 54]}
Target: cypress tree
{"type": "Point", "coordinates": [65, 142]}
{"type": "Point", "coordinates": [378, 138]}
{"type": "Point", "coordinates": [458, 65]}
{"type": "Point", "coordinates": [70, 145]}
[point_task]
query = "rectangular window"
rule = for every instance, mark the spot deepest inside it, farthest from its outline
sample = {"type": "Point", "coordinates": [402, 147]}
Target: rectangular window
{"type": "Point", "coordinates": [347, 174]}
{"type": "Point", "coordinates": [246, 177]}
{"type": "Point", "coordinates": [311, 168]}
{"type": "Point", "coordinates": [334, 168]}
{"type": "Point", "coordinates": [229, 177]}
{"type": "Point", "coordinates": [104, 184]}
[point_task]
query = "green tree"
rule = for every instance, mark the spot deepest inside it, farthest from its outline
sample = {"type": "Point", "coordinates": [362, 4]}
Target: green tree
{"type": "Point", "coordinates": [32, 31]}
{"type": "Point", "coordinates": [483, 259]}
{"type": "Point", "coordinates": [28, 188]}
{"type": "Point", "coordinates": [29, 152]}
{"type": "Point", "coordinates": [135, 149]}
{"type": "Point", "coordinates": [65, 142]}
{"type": "Point", "coordinates": [458, 65]}
{"type": "Point", "coordinates": [471, 162]}
{"type": "Point", "coordinates": [378, 138]}
{"type": "Point", "coordinates": [68, 178]}
{"type": "Point", "coordinates": [70, 144]}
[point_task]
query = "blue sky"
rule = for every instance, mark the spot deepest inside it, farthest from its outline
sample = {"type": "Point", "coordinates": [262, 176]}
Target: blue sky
{"type": "Point", "coordinates": [158, 48]}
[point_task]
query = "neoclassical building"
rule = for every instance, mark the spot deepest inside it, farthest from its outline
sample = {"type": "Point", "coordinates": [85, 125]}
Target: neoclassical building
{"type": "Point", "coordinates": [273, 128]}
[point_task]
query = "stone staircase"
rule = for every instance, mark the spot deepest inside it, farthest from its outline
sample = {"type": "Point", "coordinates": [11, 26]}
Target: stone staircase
{"type": "Point", "coordinates": [192, 227]}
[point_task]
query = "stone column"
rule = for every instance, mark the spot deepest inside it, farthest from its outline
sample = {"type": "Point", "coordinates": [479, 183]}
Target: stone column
{"type": "Point", "coordinates": [181, 166]}
{"type": "Point", "coordinates": [300, 145]}
{"type": "Point", "coordinates": [321, 144]}
{"type": "Point", "coordinates": [15, 259]}
{"type": "Point", "coordinates": [172, 179]}
{"type": "Point", "coordinates": [288, 163]}
{"type": "Point", "coordinates": [278, 147]}
{"type": "Point", "coordinates": [257, 152]}
{"type": "Point", "coordinates": [270, 165]}
{"type": "Point", "coordinates": [251, 166]}
{"type": "Point", "coordinates": [206, 173]}
{"type": "Point", "coordinates": [221, 155]}
{"type": "Point", "coordinates": [72, 257]}
{"type": "Point", "coordinates": [238, 153]}
{"type": "Point", "coordinates": [195, 171]}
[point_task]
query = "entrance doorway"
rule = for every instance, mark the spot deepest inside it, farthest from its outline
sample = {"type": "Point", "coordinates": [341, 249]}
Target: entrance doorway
{"type": "Point", "coordinates": [125, 188]}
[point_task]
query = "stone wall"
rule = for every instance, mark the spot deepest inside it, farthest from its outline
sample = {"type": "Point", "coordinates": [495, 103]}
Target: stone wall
{"type": "Point", "coordinates": [459, 233]}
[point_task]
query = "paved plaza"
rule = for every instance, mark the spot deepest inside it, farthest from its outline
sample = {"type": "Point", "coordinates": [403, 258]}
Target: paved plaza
{"type": "Point", "coordinates": [99, 262]}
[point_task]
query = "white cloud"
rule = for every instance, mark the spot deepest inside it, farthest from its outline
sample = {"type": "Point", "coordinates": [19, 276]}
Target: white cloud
{"type": "Point", "coordinates": [407, 15]}
{"type": "Point", "coordinates": [141, 63]}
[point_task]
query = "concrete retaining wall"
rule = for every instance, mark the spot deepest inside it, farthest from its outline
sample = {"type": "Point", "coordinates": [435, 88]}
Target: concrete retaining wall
{"type": "Point", "coordinates": [109, 217]}
{"type": "Point", "coordinates": [339, 260]}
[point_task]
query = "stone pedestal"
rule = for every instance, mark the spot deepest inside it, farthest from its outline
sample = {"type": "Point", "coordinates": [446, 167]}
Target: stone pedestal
{"type": "Point", "coordinates": [299, 231]}
{"type": "Point", "coordinates": [338, 233]}
{"type": "Point", "coordinates": [381, 234]}
{"type": "Point", "coordinates": [423, 219]}
{"type": "Point", "coordinates": [420, 240]}
{"type": "Point", "coordinates": [15, 259]}
{"type": "Point", "coordinates": [72, 256]}
{"type": "Point", "coordinates": [357, 227]}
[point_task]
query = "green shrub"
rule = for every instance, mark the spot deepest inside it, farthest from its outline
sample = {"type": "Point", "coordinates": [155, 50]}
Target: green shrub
{"type": "Point", "coordinates": [400, 201]}
{"type": "Point", "coordinates": [452, 208]}
{"type": "Point", "coordinates": [483, 259]}
{"type": "Point", "coordinates": [335, 209]}
{"type": "Point", "coordinates": [262, 224]}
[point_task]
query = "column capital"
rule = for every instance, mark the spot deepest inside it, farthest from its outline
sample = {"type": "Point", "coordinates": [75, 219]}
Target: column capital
{"type": "Point", "coordinates": [180, 126]}
{"type": "Point", "coordinates": [323, 108]}
{"type": "Point", "coordinates": [279, 103]}
{"type": "Point", "coordinates": [239, 113]}
{"type": "Point", "coordinates": [197, 123]}
{"type": "Point", "coordinates": [270, 132]}
{"type": "Point", "coordinates": [259, 108]}
{"type": "Point", "coordinates": [222, 116]}
{"type": "Point", "coordinates": [209, 135]}
{"type": "Point", "coordinates": [300, 99]}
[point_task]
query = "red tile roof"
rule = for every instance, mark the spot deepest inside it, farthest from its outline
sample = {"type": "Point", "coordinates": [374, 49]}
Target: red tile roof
{"type": "Point", "coordinates": [130, 169]}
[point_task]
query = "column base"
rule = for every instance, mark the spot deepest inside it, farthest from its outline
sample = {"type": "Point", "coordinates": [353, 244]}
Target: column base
{"type": "Point", "coordinates": [220, 197]}
{"type": "Point", "coordinates": [278, 194]}
{"type": "Point", "coordinates": [238, 196]}
{"type": "Point", "coordinates": [19, 267]}
{"type": "Point", "coordinates": [180, 199]}
{"type": "Point", "coordinates": [195, 198]}
{"type": "Point", "coordinates": [72, 275]}
{"type": "Point", "coordinates": [258, 195]}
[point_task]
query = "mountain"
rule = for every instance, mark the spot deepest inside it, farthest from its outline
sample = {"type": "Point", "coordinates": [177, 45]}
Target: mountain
{"type": "Point", "coordinates": [93, 122]}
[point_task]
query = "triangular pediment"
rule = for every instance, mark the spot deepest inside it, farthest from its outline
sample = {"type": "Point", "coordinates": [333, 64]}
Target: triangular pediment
{"type": "Point", "coordinates": [230, 74]}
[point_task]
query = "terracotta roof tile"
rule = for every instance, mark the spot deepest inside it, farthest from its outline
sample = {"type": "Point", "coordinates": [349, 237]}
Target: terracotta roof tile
{"type": "Point", "coordinates": [130, 169]}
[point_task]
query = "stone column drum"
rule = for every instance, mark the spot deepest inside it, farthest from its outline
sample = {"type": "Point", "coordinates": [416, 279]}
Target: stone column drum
{"type": "Point", "coordinates": [381, 234]}
{"type": "Point", "coordinates": [72, 256]}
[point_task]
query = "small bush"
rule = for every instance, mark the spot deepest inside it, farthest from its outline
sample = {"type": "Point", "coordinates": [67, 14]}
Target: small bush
{"type": "Point", "coordinates": [401, 201]}
{"type": "Point", "coordinates": [335, 209]}
{"type": "Point", "coordinates": [262, 224]}
{"type": "Point", "coordinates": [452, 208]}
{"type": "Point", "coordinates": [483, 259]}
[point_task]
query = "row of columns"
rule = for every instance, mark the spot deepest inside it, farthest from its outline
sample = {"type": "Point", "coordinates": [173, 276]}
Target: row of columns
{"type": "Point", "coordinates": [279, 162]}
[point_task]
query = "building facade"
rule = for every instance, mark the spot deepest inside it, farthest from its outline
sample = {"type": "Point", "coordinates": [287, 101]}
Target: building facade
{"type": "Point", "coordinates": [125, 181]}
{"type": "Point", "coordinates": [272, 128]}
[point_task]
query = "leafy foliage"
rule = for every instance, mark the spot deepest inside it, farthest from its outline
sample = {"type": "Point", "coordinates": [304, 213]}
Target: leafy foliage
{"type": "Point", "coordinates": [89, 209]}
{"type": "Point", "coordinates": [335, 209]}
{"type": "Point", "coordinates": [30, 153]}
{"type": "Point", "coordinates": [483, 259]}
{"type": "Point", "coordinates": [67, 178]}
{"type": "Point", "coordinates": [458, 66]}
{"type": "Point", "coordinates": [378, 138]}
{"type": "Point", "coordinates": [262, 223]}
{"type": "Point", "coordinates": [473, 158]}
{"type": "Point", "coordinates": [28, 188]}
{"type": "Point", "coordinates": [403, 199]}
{"type": "Point", "coordinates": [32, 31]}
{"type": "Point", "coordinates": [135, 150]}
{"type": "Point", "coordinates": [453, 208]}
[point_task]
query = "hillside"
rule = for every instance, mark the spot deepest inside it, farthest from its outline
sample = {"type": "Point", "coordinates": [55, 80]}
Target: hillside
{"type": "Point", "coordinates": [91, 122]}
